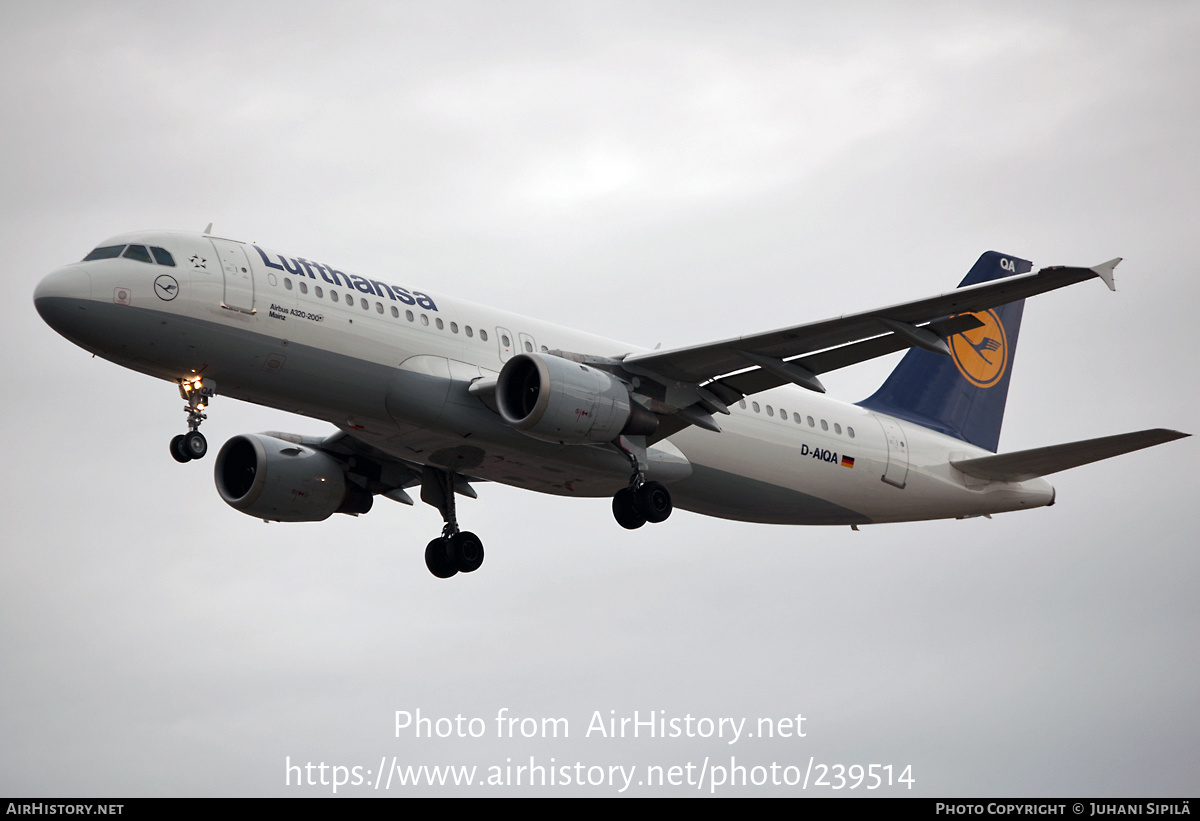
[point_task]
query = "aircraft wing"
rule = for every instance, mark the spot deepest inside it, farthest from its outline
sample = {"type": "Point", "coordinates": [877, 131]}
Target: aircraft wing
{"type": "Point", "coordinates": [922, 322]}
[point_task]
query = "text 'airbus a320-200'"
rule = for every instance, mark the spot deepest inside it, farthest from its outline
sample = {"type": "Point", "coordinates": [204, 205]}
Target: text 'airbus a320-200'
{"type": "Point", "coordinates": [433, 392]}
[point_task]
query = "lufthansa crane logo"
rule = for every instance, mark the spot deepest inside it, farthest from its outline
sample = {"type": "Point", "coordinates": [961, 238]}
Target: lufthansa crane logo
{"type": "Point", "coordinates": [981, 354]}
{"type": "Point", "coordinates": [166, 287]}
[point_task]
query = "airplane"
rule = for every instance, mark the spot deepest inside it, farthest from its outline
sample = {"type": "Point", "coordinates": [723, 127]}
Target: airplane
{"type": "Point", "coordinates": [440, 394]}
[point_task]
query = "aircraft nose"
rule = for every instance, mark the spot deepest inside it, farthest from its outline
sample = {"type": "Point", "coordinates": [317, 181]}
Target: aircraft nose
{"type": "Point", "coordinates": [70, 282]}
{"type": "Point", "coordinates": [60, 293]}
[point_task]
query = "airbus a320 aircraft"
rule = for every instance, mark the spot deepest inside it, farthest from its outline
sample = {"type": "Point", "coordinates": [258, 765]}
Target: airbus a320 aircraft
{"type": "Point", "coordinates": [432, 392]}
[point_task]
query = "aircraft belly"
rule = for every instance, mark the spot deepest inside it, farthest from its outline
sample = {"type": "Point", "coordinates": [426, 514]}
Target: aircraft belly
{"type": "Point", "coordinates": [771, 472]}
{"type": "Point", "coordinates": [727, 495]}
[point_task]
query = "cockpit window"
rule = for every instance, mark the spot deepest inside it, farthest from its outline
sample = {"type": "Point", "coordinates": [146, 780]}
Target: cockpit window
{"type": "Point", "coordinates": [107, 252]}
{"type": "Point", "coordinates": [137, 252]}
{"type": "Point", "coordinates": [161, 255]}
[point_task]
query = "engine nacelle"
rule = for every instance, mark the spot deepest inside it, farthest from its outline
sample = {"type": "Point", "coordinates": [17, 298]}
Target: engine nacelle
{"type": "Point", "coordinates": [281, 481]}
{"type": "Point", "coordinates": [551, 398]}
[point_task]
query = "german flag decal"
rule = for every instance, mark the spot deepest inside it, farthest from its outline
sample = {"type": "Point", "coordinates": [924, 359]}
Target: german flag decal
{"type": "Point", "coordinates": [847, 461]}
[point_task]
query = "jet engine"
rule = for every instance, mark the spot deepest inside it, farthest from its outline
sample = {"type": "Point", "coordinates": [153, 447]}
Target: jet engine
{"type": "Point", "coordinates": [281, 481]}
{"type": "Point", "coordinates": [557, 400]}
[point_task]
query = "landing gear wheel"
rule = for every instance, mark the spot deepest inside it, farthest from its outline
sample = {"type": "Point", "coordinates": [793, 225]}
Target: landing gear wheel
{"type": "Point", "coordinates": [465, 552]}
{"type": "Point", "coordinates": [194, 444]}
{"type": "Point", "coordinates": [625, 510]}
{"type": "Point", "coordinates": [653, 501]}
{"type": "Point", "coordinates": [438, 561]}
{"type": "Point", "coordinates": [177, 450]}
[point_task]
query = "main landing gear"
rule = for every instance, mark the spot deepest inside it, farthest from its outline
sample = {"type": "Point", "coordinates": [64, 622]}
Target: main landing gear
{"type": "Point", "coordinates": [196, 391]}
{"type": "Point", "coordinates": [452, 553]}
{"type": "Point", "coordinates": [642, 501]}
{"type": "Point", "coordinates": [637, 504]}
{"type": "Point", "coordinates": [455, 551]}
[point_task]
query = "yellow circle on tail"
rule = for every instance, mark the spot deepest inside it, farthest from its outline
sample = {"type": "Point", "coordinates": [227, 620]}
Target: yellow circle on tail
{"type": "Point", "coordinates": [981, 354]}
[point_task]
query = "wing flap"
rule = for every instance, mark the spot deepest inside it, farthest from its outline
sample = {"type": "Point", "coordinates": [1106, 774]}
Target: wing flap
{"type": "Point", "coordinates": [1029, 464]}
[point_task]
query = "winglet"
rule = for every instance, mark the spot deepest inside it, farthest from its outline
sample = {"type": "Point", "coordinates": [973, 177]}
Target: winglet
{"type": "Point", "coordinates": [1105, 271]}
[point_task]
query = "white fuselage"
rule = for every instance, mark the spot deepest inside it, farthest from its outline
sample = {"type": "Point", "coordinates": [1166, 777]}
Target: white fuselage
{"type": "Point", "coordinates": [391, 365]}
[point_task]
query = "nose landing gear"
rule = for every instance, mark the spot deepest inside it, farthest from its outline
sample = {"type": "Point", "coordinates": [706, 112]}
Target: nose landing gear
{"type": "Point", "coordinates": [188, 446]}
{"type": "Point", "coordinates": [197, 392]}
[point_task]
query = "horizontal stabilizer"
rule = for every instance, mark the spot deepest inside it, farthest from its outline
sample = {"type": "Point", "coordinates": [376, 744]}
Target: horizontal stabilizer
{"type": "Point", "coordinates": [1029, 464]}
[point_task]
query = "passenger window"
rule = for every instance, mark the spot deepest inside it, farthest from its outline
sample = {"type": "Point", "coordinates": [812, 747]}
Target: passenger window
{"type": "Point", "coordinates": [796, 418]}
{"type": "Point", "coordinates": [757, 409]}
{"type": "Point", "coordinates": [162, 256]}
{"type": "Point", "coordinates": [319, 292]}
{"type": "Point", "coordinates": [366, 306]}
{"type": "Point", "coordinates": [439, 324]}
{"type": "Point", "coordinates": [453, 327]}
{"type": "Point", "coordinates": [408, 315]}
{"type": "Point", "coordinates": [424, 319]}
{"type": "Point", "coordinates": [378, 307]}
{"type": "Point", "coordinates": [850, 431]}
{"type": "Point", "coordinates": [303, 286]}
{"type": "Point", "coordinates": [469, 332]}
{"type": "Point", "coordinates": [837, 428]}
{"type": "Point", "coordinates": [483, 334]}
{"type": "Point", "coordinates": [504, 340]}
{"type": "Point", "coordinates": [742, 404]}
{"type": "Point", "coordinates": [287, 283]}
{"type": "Point", "coordinates": [824, 425]}
{"type": "Point", "coordinates": [107, 252]}
{"type": "Point", "coordinates": [811, 423]}
{"type": "Point", "coordinates": [528, 346]}
{"type": "Point", "coordinates": [137, 252]}
{"type": "Point", "coordinates": [770, 411]}
{"type": "Point", "coordinates": [333, 295]}
{"type": "Point", "coordinates": [395, 312]}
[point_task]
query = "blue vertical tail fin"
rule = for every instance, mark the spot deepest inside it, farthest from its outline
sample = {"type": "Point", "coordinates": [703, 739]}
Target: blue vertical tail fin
{"type": "Point", "coordinates": [962, 395]}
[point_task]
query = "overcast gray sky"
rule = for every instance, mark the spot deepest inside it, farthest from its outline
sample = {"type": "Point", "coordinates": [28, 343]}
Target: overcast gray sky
{"type": "Point", "coordinates": [652, 172]}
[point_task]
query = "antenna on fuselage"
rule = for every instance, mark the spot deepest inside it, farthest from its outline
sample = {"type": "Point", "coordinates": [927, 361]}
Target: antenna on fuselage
{"type": "Point", "coordinates": [208, 230]}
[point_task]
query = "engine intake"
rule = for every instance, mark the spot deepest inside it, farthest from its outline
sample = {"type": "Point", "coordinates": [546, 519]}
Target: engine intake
{"type": "Point", "coordinates": [269, 478]}
{"type": "Point", "coordinates": [554, 399]}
